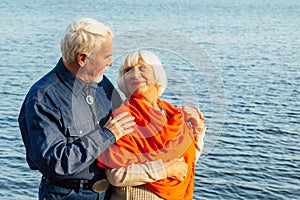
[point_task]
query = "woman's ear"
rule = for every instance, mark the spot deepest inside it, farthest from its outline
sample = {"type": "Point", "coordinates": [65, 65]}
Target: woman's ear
{"type": "Point", "coordinates": [160, 89]}
{"type": "Point", "coordinates": [81, 57]}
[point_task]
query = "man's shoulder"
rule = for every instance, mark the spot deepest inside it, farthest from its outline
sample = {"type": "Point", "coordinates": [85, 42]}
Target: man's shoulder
{"type": "Point", "coordinates": [42, 86]}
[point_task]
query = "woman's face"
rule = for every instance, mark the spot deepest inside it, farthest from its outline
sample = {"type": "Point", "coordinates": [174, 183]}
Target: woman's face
{"type": "Point", "coordinates": [140, 80]}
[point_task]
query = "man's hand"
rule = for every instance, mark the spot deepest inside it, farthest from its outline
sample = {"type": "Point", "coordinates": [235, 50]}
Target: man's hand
{"type": "Point", "coordinates": [192, 112]}
{"type": "Point", "coordinates": [120, 125]}
{"type": "Point", "coordinates": [195, 117]}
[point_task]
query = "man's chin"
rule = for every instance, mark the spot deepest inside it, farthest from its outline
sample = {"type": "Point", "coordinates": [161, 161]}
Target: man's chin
{"type": "Point", "coordinates": [98, 79]}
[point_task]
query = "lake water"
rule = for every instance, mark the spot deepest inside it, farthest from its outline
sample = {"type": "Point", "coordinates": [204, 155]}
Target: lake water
{"type": "Point", "coordinates": [237, 60]}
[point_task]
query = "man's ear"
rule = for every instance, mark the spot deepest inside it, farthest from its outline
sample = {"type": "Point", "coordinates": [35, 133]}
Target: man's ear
{"type": "Point", "coordinates": [81, 59]}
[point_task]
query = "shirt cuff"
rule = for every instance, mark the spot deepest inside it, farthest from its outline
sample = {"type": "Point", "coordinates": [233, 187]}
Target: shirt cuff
{"type": "Point", "coordinates": [109, 134]}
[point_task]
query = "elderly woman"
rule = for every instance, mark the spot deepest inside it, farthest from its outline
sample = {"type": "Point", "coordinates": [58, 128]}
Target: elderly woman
{"type": "Point", "coordinates": [141, 164]}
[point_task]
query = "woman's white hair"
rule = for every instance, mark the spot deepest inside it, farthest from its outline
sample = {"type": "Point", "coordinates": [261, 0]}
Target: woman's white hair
{"type": "Point", "coordinates": [138, 58]}
{"type": "Point", "coordinates": [84, 35]}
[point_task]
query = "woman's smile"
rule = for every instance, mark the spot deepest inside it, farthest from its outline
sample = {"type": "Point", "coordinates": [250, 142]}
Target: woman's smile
{"type": "Point", "coordinates": [138, 83]}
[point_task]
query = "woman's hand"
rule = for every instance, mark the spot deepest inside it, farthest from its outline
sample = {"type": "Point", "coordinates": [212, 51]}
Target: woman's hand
{"type": "Point", "coordinates": [176, 169]}
{"type": "Point", "coordinates": [195, 117]}
{"type": "Point", "coordinates": [120, 125]}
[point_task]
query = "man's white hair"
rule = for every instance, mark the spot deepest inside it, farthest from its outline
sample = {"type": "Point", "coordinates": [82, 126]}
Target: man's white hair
{"type": "Point", "coordinates": [84, 35]}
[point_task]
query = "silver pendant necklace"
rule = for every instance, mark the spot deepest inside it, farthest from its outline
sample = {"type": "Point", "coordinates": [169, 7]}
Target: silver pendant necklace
{"type": "Point", "coordinates": [89, 99]}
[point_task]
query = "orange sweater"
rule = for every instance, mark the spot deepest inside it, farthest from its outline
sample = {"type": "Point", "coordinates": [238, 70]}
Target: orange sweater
{"type": "Point", "coordinates": [156, 136]}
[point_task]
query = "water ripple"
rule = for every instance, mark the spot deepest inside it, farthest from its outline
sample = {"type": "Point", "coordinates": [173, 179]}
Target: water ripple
{"type": "Point", "coordinates": [255, 45]}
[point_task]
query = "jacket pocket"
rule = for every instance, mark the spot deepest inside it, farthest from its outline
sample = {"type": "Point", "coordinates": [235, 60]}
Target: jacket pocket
{"type": "Point", "coordinates": [76, 131]}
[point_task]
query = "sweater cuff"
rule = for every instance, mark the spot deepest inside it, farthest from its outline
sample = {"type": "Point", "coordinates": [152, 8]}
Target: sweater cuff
{"type": "Point", "coordinates": [158, 169]}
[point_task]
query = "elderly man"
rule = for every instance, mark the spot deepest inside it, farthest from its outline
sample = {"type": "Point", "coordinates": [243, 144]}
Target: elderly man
{"type": "Point", "coordinates": [64, 118]}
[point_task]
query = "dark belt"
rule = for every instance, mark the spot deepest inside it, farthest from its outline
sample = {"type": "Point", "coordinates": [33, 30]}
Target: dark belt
{"type": "Point", "coordinates": [74, 184]}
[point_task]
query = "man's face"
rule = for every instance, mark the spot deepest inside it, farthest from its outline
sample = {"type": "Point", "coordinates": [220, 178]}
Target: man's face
{"type": "Point", "coordinates": [97, 64]}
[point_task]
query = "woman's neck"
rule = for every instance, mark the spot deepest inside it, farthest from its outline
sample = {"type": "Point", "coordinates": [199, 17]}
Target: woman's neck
{"type": "Point", "coordinates": [150, 96]}
{"type": "Point", "coordinates": [150, 101]}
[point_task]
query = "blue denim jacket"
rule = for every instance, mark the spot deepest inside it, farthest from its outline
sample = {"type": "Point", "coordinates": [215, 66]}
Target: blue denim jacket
{"type": "Point", "coordinates": [60, 122]}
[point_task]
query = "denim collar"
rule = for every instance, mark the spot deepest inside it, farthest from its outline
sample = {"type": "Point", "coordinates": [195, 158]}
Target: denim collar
{"type": "Point", "coordinates": [75, 84]}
